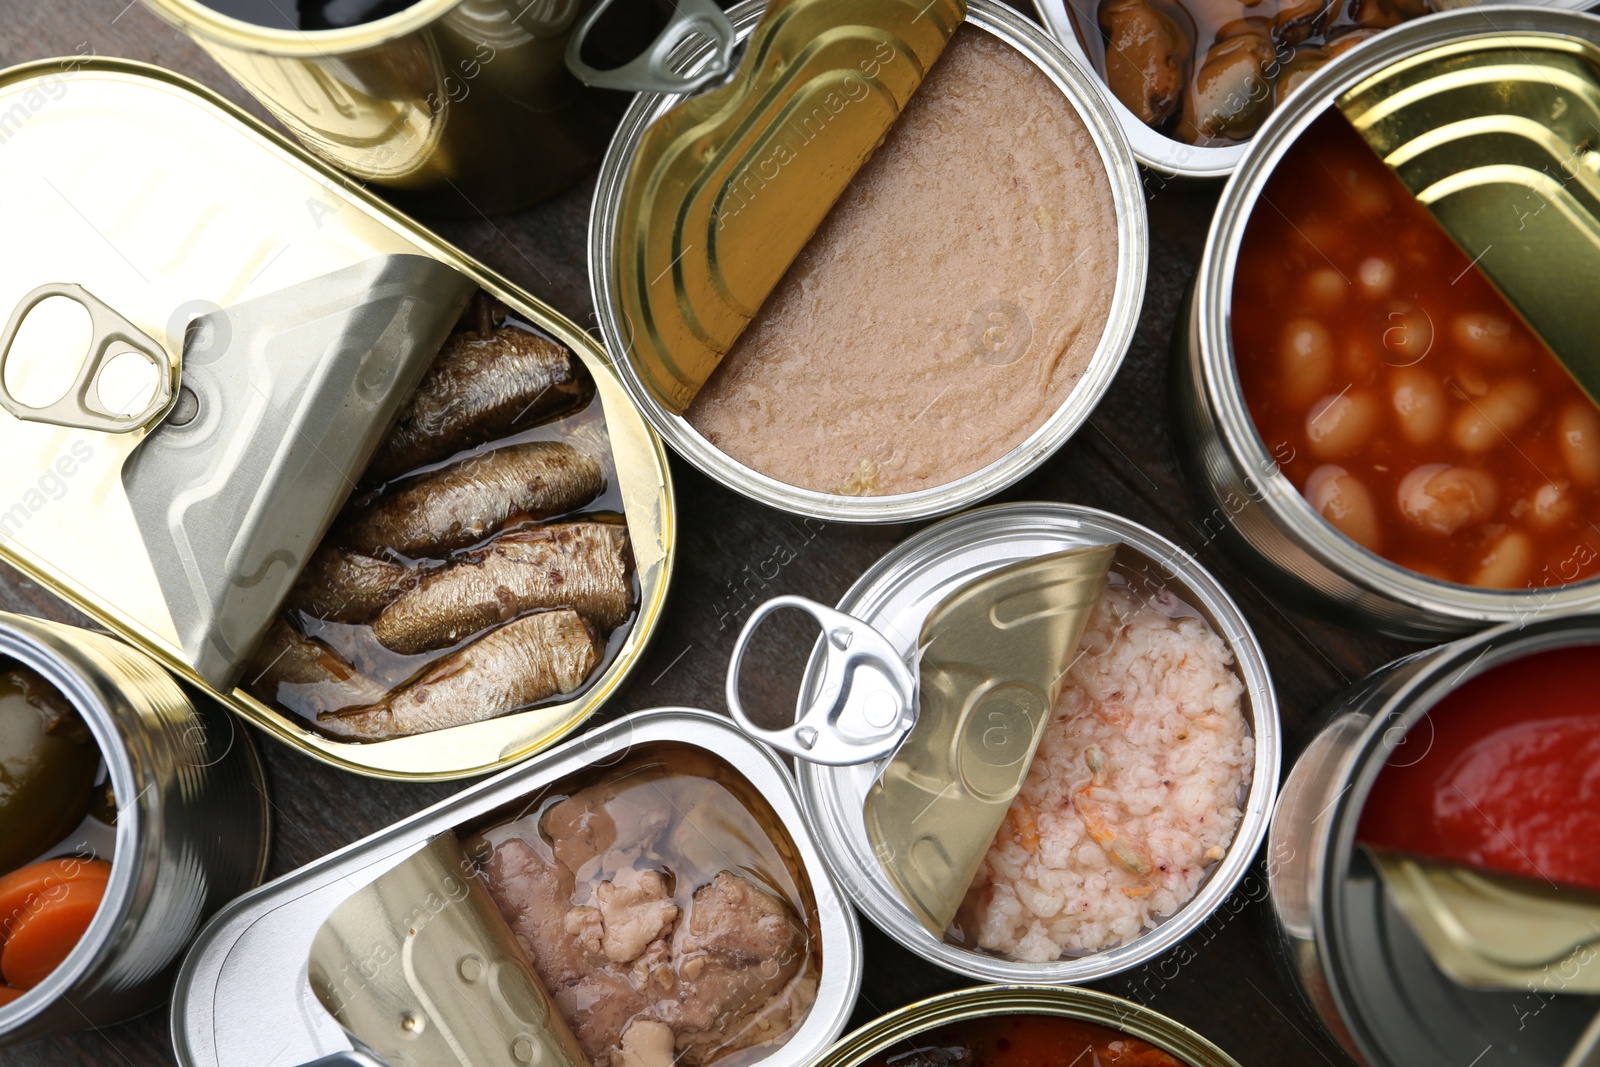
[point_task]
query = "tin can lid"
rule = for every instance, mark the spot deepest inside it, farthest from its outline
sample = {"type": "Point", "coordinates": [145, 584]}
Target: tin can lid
{"type": "Point", "coordinates": [728, 186]}
{"type": "Point", "coordinates": [1497, 138]}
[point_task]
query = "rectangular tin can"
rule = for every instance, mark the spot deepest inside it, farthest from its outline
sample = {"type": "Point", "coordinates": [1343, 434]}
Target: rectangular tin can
{"type": "Point", "coordinates": [247, 975]}
{"type": "Point", "coordinates": [165, 202]}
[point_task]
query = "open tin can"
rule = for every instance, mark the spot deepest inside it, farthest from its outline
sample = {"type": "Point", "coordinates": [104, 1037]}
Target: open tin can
{"type": "Point", "coordinates": [191, 829]}
{"type": "Point", "coordinates": [723, 240]}
{"type": "Point", "coordinates": [1359, 962]}
{"type": "Point", "coordinates": [916, 1026]}
{"type": "Point", "coordinates": [1169, 156]}
{"type": "Point", "coordinates": [249, 972]}
{"type": "Point", "coordinates": [287, 319]}
{"type": "Point", "coordinates": [894, 598]}
{"type": "Point", "coordinates": [1250, 504]}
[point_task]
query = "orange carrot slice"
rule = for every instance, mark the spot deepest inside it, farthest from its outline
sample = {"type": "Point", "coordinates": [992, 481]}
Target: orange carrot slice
{"type": "Point", "coordinates": [49, 930]}
{"type": "Point", "coordinates": [23, 889]}
{"type": "Point", "coordinates": [7, 994]}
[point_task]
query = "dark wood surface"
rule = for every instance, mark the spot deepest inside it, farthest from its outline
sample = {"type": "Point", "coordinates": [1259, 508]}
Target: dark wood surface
{"type": "Point", "coordinates": [1225, 980]}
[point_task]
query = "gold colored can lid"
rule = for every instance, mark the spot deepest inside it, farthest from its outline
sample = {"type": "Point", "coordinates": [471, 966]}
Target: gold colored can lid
{"type": "Point", "coordinates": [727, 187]}
{"type": "Point", "coordinates": [1499, 140]}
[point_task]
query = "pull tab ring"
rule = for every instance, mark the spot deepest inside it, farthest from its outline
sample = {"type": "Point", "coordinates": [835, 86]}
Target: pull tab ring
{"type": "Point", "coordinates": [860, 665]}
{"type": "Point", "coordinates": [111, 336]}
{"type": "Point", "coordinates": [652, 72]}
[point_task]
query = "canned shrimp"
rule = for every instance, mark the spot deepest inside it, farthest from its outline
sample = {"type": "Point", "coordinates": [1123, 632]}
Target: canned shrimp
{"type": "Point", "coordinates": [131, 810]}
{"type": "Point", "coordinates": [994, 1025]}
{"type": "Point", "coordinates": [1149, 785]}
{"type": "Point", "coordinates": [374, 499]}
{"type": "Point", "coordinates": [1191, 84]}
{"type": "Point", "coordinates": [1433, 876]}
{"type": "Point", "coordinates": [1372, 408]}
{"type": "Point", "coordinates": [804, 300]}
{"type": "Point", "coordinates": [648, 894]}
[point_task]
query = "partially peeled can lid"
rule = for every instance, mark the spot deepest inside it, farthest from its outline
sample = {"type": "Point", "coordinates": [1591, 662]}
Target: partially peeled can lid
{"type": "Point", "coordinates": [991, 658]}
{"type": "Point", "coordinates": [1501, 142]}
{"type": "Point", "coordinates": [728, 186]}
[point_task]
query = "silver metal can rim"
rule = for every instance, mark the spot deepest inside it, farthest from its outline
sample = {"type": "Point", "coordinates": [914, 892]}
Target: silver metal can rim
{"type": "Point", "coordinates": [1087, 1005]}
{"type": "Point", "coordinates": [1446, 669]}
{"type": "Point", "coordinates": [33, 644]}
{"type": "Point", "coordinates": [338, 874]}
{"type": "Point", "coordinates": [1163, 154]}
{"type": "Point", "coordinates": [1078, 83]}
{"type": "Point", "coordinates": [827, 806]}
{"type": "Point", "coordinates": [1458, 605]}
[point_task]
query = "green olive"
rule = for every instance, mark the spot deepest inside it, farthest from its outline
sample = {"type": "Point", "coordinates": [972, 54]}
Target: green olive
{"type": "Point", "coordinates": [48, 762]}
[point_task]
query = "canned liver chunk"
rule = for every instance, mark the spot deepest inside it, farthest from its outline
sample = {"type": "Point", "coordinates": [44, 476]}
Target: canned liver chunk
{"type": "Point", "coordinates": [1365, 338]}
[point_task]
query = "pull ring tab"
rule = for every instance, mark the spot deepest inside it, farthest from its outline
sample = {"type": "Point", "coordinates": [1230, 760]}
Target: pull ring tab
{"type": "Point", "coordinates": [652, 72]}
{"type": "Point", "coordinates": [111, 336]}
{"type": "Point", "coordinates": [861, 666]}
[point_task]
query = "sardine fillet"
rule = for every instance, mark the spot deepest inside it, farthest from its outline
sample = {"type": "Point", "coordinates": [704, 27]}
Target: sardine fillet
{"type": "Point", "coordinates": [579, 565]}
{"type": "Point", "coordinates": [522, 663]}
{"type": "Point", "coordinates": [322, 680]}
{"type": "Point", "coordinates": [471, 500]}
{"type": "Point", "coordinates": [478, 389]}
{"type": "Point", "coordinates": [341, 586]}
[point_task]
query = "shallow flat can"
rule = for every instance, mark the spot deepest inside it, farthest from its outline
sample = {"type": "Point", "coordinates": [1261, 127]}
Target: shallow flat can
{"type": "Point", "coordinates": [167, 203]}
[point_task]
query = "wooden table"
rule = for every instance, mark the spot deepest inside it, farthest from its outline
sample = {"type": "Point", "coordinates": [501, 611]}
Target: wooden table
{"type": "Point", "coordinates": [1224, 980]}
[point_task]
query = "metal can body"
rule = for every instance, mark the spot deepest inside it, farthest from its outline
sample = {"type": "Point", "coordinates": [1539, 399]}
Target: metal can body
{"type": "Point", "coordinates": [248, 974]}
{"type": "Point", "coordinates": [896, 594]}
{"type": "Point", "coordinates": [882, 1035]}
{"type": "Point", "coordinates": [1248, 503]}
{"type": "Point", "coordinates": [1167, 156]}
{"type": "Point", "coordinates": [192, 831]}
{"type": "Point", "coordinates": [1132, 256]}
{"type": "Point", "coordinates": [227, 211]}
{"type": "Point", "coordinates": [1368, 981]}
{"type": "Point", "coordinates": [466, 103]}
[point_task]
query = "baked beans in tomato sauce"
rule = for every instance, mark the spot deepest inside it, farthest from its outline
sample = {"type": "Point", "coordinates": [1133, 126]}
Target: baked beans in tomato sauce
{"type": "Point", "coordinates": [1402, 395]}
{"type": "Point", "coordinates": [1023, 1041]}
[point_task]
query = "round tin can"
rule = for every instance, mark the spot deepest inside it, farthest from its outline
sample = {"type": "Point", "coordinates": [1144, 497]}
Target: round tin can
{"type": "Point", "coordinates": [898, 592]}
{"type": "Point", "coordinates": [192, 828]}
{"type": "Point", "coordinates": [465, 103]}
{"type": "Point", "coordinates": [1249, 504]}
{"type": "Point", "coordinates": [1362, 970]}
{"type": "Point", "coordinates": [248, 974]}
{"type": "Point", "coordinates": [1076, 83]}
{"type": "Point", "coordinates": [1167, 156]}
{"type": "Point", "coordinates": [881, 1036]}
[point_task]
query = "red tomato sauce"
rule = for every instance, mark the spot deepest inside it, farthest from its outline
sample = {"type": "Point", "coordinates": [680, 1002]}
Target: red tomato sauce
{"type": "Point", "coordinates": [1023, 1041]}
{"type": "Point", "coordinates": [1503, 774]}
{"type": "Point", "coordinates": [1400, 393]}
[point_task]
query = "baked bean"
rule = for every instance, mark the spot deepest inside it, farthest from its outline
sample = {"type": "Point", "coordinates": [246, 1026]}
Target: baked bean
{"type": "Point", "coordinates": [1487, 422]}
{"type": "Point", "coordinates": [1419, 401]}
{"type": "Point", "coordinates": [1507, 564]}
{"type": "Point", "coordinates": [1348, 506]}
{"type": "Point", "coordinates": [1339, 425]}
{"type": "Point", "coordinates": [1408, 402]}
{"type": "Point", "coordinates": [1306, 360]}
{"type": "Point", "coordinates": [1442, 499]}
{"type": "Point", "coordinates": [1375, 276]}
{"type": "Point", "coordinates": [1578, 430]}
{"type": "Point", "coordinates": [1325, 289]}
{"type": "Point", "coordinates": [1485, 337]}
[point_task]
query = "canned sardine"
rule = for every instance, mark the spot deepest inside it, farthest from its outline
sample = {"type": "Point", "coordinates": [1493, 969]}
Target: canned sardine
{"type": "Point", "coordinates": [647, 894]}
{"type": "Point", "coordinates": [1364, 415]}
{"type": "Point", "coordinates": [892, 364]}
{"type": "Point", "coordinates": [374, 493]}
{"type": "Point", "coordinates": [131, 811]}
{"type": "Point", "coordinates": [991, 1026]}
{"type": "Point", "coordinates": [1434, 875]}
{"type": "Point", "coordinates": [1145, 800]}
{"type": "Point", "coordinates": [1188, 99]}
